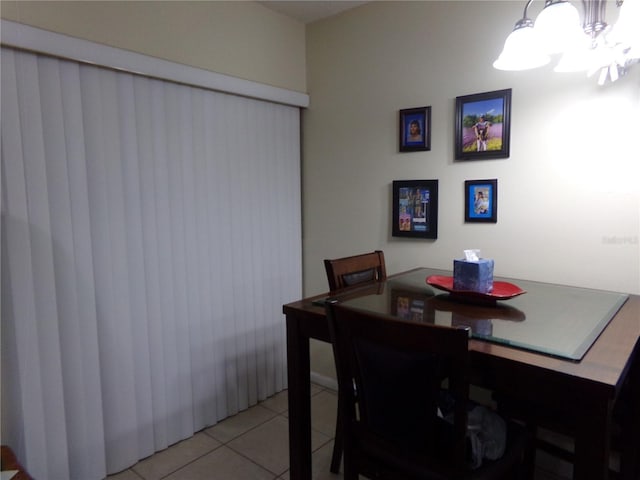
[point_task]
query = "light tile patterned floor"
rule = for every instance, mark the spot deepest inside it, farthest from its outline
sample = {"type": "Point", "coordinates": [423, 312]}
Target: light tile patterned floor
{"type": "Point", "coordinates": [253, 445]}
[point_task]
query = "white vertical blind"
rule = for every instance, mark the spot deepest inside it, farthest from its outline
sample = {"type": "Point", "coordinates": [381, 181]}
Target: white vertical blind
{"type": "Point", "coordinates": [150, 235]}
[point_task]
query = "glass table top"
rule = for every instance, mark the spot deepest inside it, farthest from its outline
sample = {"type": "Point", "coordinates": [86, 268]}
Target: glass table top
{"type": "Point", "coordinates": [557, 320]}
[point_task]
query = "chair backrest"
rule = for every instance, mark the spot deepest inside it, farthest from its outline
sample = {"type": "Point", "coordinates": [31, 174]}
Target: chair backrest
{"type": "Point", "coordinates": [355, 270]}
{"type": "Point", "coordinates": [390, 375]}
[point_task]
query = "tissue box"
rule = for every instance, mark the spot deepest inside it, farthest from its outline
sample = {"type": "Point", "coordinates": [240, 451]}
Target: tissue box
{"type": "Point", "coordinates": [476, 276]}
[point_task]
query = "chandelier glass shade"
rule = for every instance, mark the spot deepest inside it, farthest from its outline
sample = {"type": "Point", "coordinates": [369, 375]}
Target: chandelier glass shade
{"type": "Point", "coordinates": [522, 49]}
{"type": "Point", "coordinates": [589, 45]}
{"type": "Point", "coordinates": [558, 25]}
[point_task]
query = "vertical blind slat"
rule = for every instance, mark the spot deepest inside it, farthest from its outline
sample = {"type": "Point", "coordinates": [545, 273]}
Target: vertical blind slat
{"type": "Point", "coordinates": [151, 258]}
{"type": "Point", "coordinates": [77, 410]}
{"type": "Point", "coordinates": [130, 138]}
{"type": "Point", "coordinates": [31, 431]}
{"type": "Point", "coordinates": [48, 342]}
{"type": "Point", "coordinates": [87, 457]}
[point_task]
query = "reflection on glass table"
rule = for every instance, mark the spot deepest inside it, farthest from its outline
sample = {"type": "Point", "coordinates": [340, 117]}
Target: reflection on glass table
{"type": "Point", "coordinates": [553, 319]}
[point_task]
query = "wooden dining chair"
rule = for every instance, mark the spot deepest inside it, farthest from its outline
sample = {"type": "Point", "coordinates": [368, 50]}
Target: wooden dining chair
{"type": "Point", "coordinates": [391, 427]}
{"type": "Point", "coordinates": [344, 273]}
{"type": "Point", "coordinates": [355, 270]}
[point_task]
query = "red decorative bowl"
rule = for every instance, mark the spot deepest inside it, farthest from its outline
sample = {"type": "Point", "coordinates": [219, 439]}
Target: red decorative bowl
{"type": "Point", "coordinates": [501, 290]}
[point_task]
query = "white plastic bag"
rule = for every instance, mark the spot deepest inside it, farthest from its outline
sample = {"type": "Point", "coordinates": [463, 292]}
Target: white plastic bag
{"type": "Point", "coordinates": [487, 432]}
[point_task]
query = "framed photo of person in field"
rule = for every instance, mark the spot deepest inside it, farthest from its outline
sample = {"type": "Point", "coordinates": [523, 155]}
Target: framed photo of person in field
{"type": "Point", "coordinates": [483, 125]}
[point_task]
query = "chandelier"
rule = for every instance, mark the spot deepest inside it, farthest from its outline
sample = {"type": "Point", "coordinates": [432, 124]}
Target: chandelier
{"type": "Point", "coordinates": [592, 46]}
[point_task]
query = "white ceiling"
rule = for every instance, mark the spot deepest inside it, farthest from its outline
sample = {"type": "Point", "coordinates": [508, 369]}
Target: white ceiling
{"type": "Point", "coordinates": [308, 11]}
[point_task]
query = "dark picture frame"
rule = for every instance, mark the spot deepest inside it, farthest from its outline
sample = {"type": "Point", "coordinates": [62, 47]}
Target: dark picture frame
{"type": "Point", "coordinates": [415, 208]}
{"type": "Point", "coordinates": [481, 201]}
{"type": "Point", "coordinates": [415, 129]}
{"type": "Point", "coordinates": [483, 125]}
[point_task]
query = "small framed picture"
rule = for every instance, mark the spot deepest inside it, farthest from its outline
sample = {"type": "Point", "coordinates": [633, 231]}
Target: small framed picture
{"type": "Point", "coordinates": [415, 129]}
{"type": "Point", "coordinates": [415, 208]}
{"type": "Point", "coordinates": [481, 201]}
{"type": "Point", "coordinates": [483, 125]}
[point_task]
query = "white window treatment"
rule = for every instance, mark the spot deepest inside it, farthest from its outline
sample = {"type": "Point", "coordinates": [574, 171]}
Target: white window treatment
{"type": "Point", "coordinates": [151, 232]}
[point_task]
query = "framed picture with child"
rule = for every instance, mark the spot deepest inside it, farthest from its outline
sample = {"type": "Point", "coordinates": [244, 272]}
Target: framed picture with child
{"type": "Point", "coordinates": [481, 201]}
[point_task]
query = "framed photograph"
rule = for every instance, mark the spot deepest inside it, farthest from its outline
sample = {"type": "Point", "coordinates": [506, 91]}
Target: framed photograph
{"type": "Point", "coordinates": [481, 201]}
{"type": "Point", "coordinates": [415, 129]}
{"type": "Point", "coordinates": [483, 125]}
{"type": "Point", "coordinates": [415, 208]}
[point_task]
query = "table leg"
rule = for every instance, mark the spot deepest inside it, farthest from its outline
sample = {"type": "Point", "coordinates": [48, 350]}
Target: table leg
{"type": "Point", "coordinates": [592, 443]}
{"type": "Point", "coordinates": [298, 368]}
{"type": "Point", "coordinates": [630, 457]}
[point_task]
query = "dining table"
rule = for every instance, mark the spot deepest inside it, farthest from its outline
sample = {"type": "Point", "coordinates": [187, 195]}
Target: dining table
{"type": "Point", "coordinates": [562, 352]}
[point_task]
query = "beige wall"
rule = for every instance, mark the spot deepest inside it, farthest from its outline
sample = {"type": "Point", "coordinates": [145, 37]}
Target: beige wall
{"type": "Point", "coordinates": [238, 38]}
{"type": "Point", "coordinates": [568, 196]}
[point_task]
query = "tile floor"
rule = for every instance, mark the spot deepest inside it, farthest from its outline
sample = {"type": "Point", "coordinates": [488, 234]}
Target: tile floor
{"type": "Point", "coordinates": [253, 445]}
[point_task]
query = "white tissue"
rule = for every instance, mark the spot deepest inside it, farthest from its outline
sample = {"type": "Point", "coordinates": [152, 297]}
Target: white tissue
{"type": "Point", "coordinates": [472, 255]}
